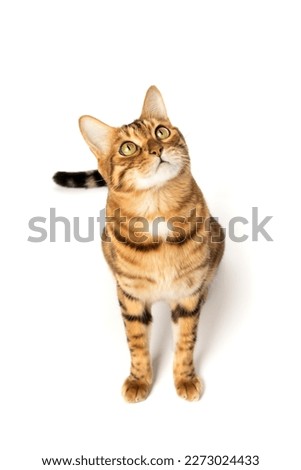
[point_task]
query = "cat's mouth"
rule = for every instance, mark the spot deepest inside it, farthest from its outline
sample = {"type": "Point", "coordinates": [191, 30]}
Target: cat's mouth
{"type": "Point", "coordinates": [163, 159]}
{"type": "Point", "coordinates": [161, 162]}
{"type": "Point", "coordinates": [161, 170]}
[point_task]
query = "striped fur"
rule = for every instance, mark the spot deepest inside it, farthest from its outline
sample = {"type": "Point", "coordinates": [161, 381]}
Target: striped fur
{"type": "Point", "coordinates": [79, 179]}
{"type": "Point", "coordinates": [174, 257]}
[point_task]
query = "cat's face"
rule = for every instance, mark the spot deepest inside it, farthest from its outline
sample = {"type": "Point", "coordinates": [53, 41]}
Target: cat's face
{"type": "Point", "coordinates": [145, 154]}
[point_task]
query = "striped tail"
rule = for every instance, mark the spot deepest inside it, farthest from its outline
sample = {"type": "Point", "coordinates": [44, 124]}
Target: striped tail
{"type": "Point", "coordinates": [79, 179]}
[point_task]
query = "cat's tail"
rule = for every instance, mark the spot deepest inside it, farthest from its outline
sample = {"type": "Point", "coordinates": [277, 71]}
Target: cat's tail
{"type": "Point", "coordinates": [79, 179]}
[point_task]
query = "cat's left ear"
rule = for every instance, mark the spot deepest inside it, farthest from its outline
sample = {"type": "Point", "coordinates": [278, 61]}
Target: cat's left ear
{"type": "Point", "coordinates": [153, 106]}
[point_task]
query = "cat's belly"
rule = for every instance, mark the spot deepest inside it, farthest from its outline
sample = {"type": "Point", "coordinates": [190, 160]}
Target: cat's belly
{"type": "Point", "coordinates": [170, 291]}
{"type": "Point", "coordinates": [155, 278]}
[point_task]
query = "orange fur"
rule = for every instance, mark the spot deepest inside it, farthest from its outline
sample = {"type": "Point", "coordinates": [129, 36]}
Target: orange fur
{"type": "Point", "coordinates": [175, 262]}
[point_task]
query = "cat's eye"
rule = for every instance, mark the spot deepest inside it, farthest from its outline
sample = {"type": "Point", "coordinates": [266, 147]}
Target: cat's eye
{"type": "Point", "coordinates": [128, 148]}
{"type": "Point", "coordinates": [162, 132]}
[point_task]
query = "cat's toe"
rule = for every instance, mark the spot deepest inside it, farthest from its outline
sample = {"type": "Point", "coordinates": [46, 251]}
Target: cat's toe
{"type": "Point", "coordinates": [134, 390]}
{"type": "Point", "coordinates": [189, 389]}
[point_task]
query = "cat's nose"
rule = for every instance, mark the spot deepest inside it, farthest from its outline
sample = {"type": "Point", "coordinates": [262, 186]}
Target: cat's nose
{"type": "Point", "coordinates": [157, 152]}
{"type": "Point", "coordinates": [154, 148]}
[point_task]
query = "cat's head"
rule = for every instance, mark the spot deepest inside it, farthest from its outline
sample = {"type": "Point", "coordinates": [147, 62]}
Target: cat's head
{"type": "Point", "coordinates": [147, 153]}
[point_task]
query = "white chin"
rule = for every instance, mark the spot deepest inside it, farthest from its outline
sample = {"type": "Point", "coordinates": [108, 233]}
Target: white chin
{"type": "Point", "coordinates": [165, 172]}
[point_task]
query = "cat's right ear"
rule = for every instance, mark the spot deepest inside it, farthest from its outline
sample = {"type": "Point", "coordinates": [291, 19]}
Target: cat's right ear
{"type": "Point", "coordinates": [99, 138]}
{"type": "Point", "coordinates": [97, 134]}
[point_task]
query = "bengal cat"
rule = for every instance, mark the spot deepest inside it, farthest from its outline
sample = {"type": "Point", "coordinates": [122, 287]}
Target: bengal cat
{"type": "Point", "coordinates": [160, 240]}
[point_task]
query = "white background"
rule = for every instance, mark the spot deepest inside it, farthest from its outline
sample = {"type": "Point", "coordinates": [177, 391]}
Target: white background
{"type": "Point", "coordinates": [230, 74]}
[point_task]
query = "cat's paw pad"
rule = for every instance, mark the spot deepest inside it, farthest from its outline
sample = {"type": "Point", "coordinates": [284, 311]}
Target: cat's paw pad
{"type": "Point", "coordinates": [189, 389]}
{"type": "Point", "coordinates": [134, 390]}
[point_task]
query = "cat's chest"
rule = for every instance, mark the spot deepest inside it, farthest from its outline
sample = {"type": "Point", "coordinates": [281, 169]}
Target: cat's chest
{"type": "Point", "coordinates": [159, 228]}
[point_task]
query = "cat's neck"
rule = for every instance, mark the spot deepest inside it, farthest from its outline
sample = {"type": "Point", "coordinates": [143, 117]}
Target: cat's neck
{"type": "Point", "coordinates": [172, 198]}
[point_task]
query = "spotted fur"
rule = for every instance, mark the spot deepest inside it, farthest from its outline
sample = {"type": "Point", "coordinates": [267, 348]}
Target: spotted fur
{"type": "Point", "coordinates": [176, 261]}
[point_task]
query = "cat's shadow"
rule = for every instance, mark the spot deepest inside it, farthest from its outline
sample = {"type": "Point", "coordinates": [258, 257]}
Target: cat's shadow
{"type": "Point", "coordinates": [217, 313]}
{"type": "Point", "coordinates": [161, 337]}
{"type": "Point", "coordinates": [213, 315]}
{"type": "Point", "coordinates": [224, 308]}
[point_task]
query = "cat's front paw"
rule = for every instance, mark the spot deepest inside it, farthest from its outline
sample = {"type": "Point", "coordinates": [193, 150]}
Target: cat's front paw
{"type": "Point", "coordinates": [134, 390]}
{"type": "Point", "coordinates": [189, 389]}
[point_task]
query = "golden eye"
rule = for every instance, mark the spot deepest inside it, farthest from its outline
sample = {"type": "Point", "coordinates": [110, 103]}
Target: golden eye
{"type": "Point", "coordinates": [162, 133]}
{"type": "Point", "coordinates": [128, 148]}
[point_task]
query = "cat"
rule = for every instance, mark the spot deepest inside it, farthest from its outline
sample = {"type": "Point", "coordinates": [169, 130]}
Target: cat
{"type": "Point", "coordinates": [160, 240]}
